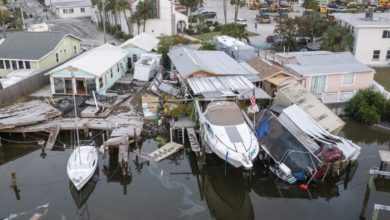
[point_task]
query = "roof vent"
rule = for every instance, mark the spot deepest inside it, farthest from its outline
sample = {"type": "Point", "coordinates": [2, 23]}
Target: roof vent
{"type": "Point", "coordinates": [369, 16]}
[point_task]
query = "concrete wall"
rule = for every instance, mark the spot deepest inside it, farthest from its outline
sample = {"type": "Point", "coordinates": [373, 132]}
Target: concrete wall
{"type": "Point", "coordinates": [22, 88]}
{"type": "Point", "coordinates": [76, 11]}
{"type": "Point", "coordinates": [64, 49]}
{"type": "Point", "coordinates": [366, 41]}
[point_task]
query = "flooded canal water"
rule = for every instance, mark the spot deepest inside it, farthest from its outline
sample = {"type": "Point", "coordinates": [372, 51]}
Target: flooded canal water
{"type": "Point", "coordinates": [176, 188]}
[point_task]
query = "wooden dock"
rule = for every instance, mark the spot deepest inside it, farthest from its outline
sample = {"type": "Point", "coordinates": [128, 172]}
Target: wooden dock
{"type": "Point", "coordinates": [165, 151]}
{"type": "Point", "coordinates": [385, 159]}
{"type": "Point", "coordinates": [195, 146]}
{"type": "Point", "coordinates": [180, 125]}
{"type": "Point", "coordinates": [54, 131]}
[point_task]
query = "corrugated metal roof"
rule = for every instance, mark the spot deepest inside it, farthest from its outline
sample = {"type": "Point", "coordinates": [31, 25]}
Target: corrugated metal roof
{"type": "Point", "coordinates": [326, 63]}
{"type": "Point", "coordinates": [30, 45]}
{"type": "Point", "coordinates": [144, 41]}
{"type": "Point", "coordinates": [223, 86]}
{"type": "Point", "coordinates": [298, 95]}
{"type": "Point", "coordinates": [188, 61]}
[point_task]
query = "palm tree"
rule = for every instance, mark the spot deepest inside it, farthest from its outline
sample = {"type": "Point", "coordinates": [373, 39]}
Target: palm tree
{"type": "Point", "coordinates": [136, 18]}
{"type": "Point", "coordinates": [99, 5]}
{"type": "Point", "coordinates": [111, 7]}
{"type": "Point", "coordinates": [124, 5]}
{"type": "Point", "coordinates": [145, 8]}
{"type": "Point", "coordinates": [224, 10]}
{"type": "Point", "coordinates": [237, 4]}
{"type": "Point", "coordinates": [337, 38]}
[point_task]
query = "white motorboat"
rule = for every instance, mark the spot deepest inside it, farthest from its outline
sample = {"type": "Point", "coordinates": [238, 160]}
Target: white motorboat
{"type": "Point", "coordinates": [82, 164]}
{"type": "Point", "coordinates": [227, 134]}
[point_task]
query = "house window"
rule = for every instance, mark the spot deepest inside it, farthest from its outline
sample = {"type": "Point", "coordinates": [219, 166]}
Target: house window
{"type": "Point", "coordinates": [27, 65]}
{"type": "Point", "coordinates": [111, 74]}
{"type": "Point", "coordinates": [386, 34]}
{"type": "Point", "coordinates": [57, 58]}
{"type": "Point", "coordinates": [1, 64]}
{"type": "Point", "coordinates": [100, 82]}
{"type": "Point", "coordinates": [317, 85]}
{"type": "Point", "coordinates": [82, 10]}
{"type": "Point", "coordinates": [117, 67]}
{"type": "Point", "coordinates": [14, 67]}
{"type": "Point", "coordinates": [67, 10]}
{"type": "Point", "coordinates": [64, 50]}
{"type": "Point", "coordinates": [75, 49]}
{"type": "Point", "coordinates": [59, 85]}
{"type": "Point", "coordinates": [348, 78]}
{"type": "Point", "coordinates": [135, 58]}
{"type": "Point", "coordinates": [7, 64]}
{"type": "Point", "coordinates": [376, 54]}
{"type": "Point", "coordinates": [20, 64]}
{"type": "Point", "coordinates": [388, 55]}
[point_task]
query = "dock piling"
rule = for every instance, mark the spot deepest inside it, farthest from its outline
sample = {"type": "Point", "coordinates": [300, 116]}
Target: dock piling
{"type": "Point", "coordinates": [13, 179]}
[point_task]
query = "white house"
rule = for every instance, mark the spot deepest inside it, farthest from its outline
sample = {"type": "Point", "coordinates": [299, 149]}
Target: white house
{"type": "Point", "coordinates": [72, 8]}
{"type": "Point", "coordinates": [167, 19]}
{"type": "Point", "coordinates": [95, 70]}
{"type": "Point", "coordinates": [147, 66]}
{"type": "Point", "coordinates": [136, 46]}
{"type": "Point", "coordinates": [371, 36]}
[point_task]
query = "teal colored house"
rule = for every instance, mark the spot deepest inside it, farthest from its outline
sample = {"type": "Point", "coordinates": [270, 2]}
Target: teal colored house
{"type": "Point", "coordinates": [95, 70]}
{"type": "Point", "coordinates": [138, 45]}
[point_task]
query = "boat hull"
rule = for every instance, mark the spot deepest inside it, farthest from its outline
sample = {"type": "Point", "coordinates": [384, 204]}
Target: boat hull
{"type": "Point", "coordinates": [81, 166]}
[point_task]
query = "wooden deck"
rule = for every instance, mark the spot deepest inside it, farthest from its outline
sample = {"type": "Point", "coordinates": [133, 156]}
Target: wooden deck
{"type": "Point", "coordinates": [54, 131]}
{"type": "Point", "coordinates": [165, 151]}
{"type": "Point", "coordinates": [182, 123]}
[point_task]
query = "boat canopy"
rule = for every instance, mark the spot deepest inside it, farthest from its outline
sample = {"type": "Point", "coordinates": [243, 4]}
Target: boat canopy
{"type": "Point", "coordinates": [224, 114]}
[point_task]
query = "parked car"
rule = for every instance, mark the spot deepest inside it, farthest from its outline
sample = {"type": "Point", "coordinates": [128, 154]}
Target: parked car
{"type": "Point", "coordinates": [242, 22]}
{"type": "Point", "coordinates": [269, 39]}
{"type": "Point", "coordinates": [209, 14]}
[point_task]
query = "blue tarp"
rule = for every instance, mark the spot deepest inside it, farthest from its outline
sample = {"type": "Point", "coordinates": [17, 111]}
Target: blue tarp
{"type": "Point", "coordinates": [263, 130]}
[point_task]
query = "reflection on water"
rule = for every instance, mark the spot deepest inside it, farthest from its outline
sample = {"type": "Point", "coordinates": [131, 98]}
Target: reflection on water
{"type": "Point", "coordinates": [12, 152]}
{"type": "Point", "coordinates": [80, 197]}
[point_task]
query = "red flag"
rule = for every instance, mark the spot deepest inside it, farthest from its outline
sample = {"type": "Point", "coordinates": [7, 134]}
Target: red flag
{"type": "Point", "coordinates": [253, 99]}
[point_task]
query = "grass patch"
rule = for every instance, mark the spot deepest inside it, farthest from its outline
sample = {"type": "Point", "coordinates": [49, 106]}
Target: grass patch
{"type": "Point", "coordinates": [382, 76]}
{"type": "Point", "coordinates": [209, 36]}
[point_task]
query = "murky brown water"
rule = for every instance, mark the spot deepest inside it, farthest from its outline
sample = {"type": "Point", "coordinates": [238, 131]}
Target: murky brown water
{"type": "Point", "coordinates": [176, 189]}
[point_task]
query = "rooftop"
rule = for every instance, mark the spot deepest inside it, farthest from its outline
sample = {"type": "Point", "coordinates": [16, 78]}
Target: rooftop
{"type": "Point", "coordinates": [324, 62]}
{"type": "Point", "coordinates": [30, 45]}
{"type": "Point", "coordinates": [67, 3]}
{"type": "Point", "coordinates": [228, 41]}
{"type": "Point", "coordinates": [144, 41]}
{"type": "Point", "coordinates": [188, 61]}
{"type": "Point", "coordinates": [265, 68]}
{"type": "Point", "coordinates": [359, 20]}
{"type": "Point", "coordinates": [95, 61]}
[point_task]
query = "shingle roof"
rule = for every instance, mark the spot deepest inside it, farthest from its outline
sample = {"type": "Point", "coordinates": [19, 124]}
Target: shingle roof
{"type": "Point", "coordinates": [189, 61]}
{"type": "Point", "coordinates": [326, 63]}
{"type": "Point", "coordinates": [265, 68]}
{"type": "Point", "coordinates": [29, 45]}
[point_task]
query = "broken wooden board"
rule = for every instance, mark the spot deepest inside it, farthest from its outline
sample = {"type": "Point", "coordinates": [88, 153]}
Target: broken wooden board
{"type": "Point", "coordinates": [193, 140]}
{"type": "Point", "coordinates": [26, 113]}
{"type": "Point", "coordinates": [89, 112]}
{"type": "Point", "coordinates": [54, 131]}
{"type": "Point", "coordinates": [165, 151]}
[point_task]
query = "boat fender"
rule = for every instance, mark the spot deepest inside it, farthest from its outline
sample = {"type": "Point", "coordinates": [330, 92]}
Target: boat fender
{"type": "Point", "coordinates": [304, 186]}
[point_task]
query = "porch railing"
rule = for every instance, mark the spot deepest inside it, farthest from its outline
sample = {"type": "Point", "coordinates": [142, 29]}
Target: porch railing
{"type": "Point", "coordinates": [379, 88]}
{"type": "Point", "coordinates": [336, 97]}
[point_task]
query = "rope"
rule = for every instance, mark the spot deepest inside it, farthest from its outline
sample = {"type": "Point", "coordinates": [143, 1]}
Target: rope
{"type": "Point", "coordinates": [19, 142]}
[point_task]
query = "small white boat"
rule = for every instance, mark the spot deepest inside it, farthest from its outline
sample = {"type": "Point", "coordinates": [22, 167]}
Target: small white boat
{"type": "Point", "coordinates": [227, 134]}
{"type": "Point", "coordinates": [82, 164]}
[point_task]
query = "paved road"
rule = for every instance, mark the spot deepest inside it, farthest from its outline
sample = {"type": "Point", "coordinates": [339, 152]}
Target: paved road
{"type": "Point", "coordinates": [262, 29]}
{"type": "Point", "coordinates": [81, 27]}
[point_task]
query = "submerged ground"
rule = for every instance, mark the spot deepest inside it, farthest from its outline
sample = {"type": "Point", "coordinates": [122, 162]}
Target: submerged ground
{"type": "Point", "coordinates": [176, 189]}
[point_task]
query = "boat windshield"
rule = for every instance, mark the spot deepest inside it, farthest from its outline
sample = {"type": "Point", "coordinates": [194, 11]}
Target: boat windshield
{"type": "Point", "coordinates": [224, 114]}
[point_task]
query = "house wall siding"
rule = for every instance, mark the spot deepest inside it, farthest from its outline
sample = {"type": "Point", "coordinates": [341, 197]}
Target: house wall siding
{"type": "Point", "coordinates": [76, 12]}
{"type": "Point", "coordinates": [366, 41]}
{"type": "Point", "coordinates": [66, 43]}
{"type": "Point", "coordinates": [361, 81]}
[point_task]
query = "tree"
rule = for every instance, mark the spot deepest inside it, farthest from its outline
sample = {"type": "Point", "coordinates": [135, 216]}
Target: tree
{"type": "Point", "coordinates": [145, 8]}
{"type": "Point", "coordinates": [136, 18]}
{"type": "Point", "coordinates": [124, 5]}
{"type": "Point", "coordinates": [366, 106]}
{"type": "Point", "coordinates": [311, 4]}
{"type": "Point", "coordinates": [288, 31]}
{"type": "Point", "coordinates": [237, 4]}
{"type": "Point", "coordinates": [99, 5]}
{"type": "Point", "coordinates": [166, 43]}
{"type": "Point", "coordinates": [337, 38]}
{"type": "Point", "coordinates": [236, 31]}
{"type": "Point", "coordinates": [189, 4]}
{"type": "Point", "coordinates": [224, 10]}
{"type": "Point", "coordinates": [312, 25]}
{"type": "Point", "coordinates": [4, 17]}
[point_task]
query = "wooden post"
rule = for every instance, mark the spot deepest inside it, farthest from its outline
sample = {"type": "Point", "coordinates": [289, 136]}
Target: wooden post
{"type": "Point", "coordinates": [135, 138]}
{"type": "Point", "coordinates": [13, 177]}
{"type": "Point", "coordinates": [366, 196]}
{"type": "Point", "coordinates": [182, 134]}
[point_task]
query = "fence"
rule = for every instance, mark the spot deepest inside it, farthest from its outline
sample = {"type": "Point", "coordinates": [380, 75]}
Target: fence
{"type": "Point", "coordinates": [379, 88]}
{"type": "Point", "coordinates": [22, 88]}
{"type": "Point", "coordinates": [336, 97]}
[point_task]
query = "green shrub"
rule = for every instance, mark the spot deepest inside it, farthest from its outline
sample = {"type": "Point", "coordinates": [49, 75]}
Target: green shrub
{"type": "Point", "coordinates": [367, 106]}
